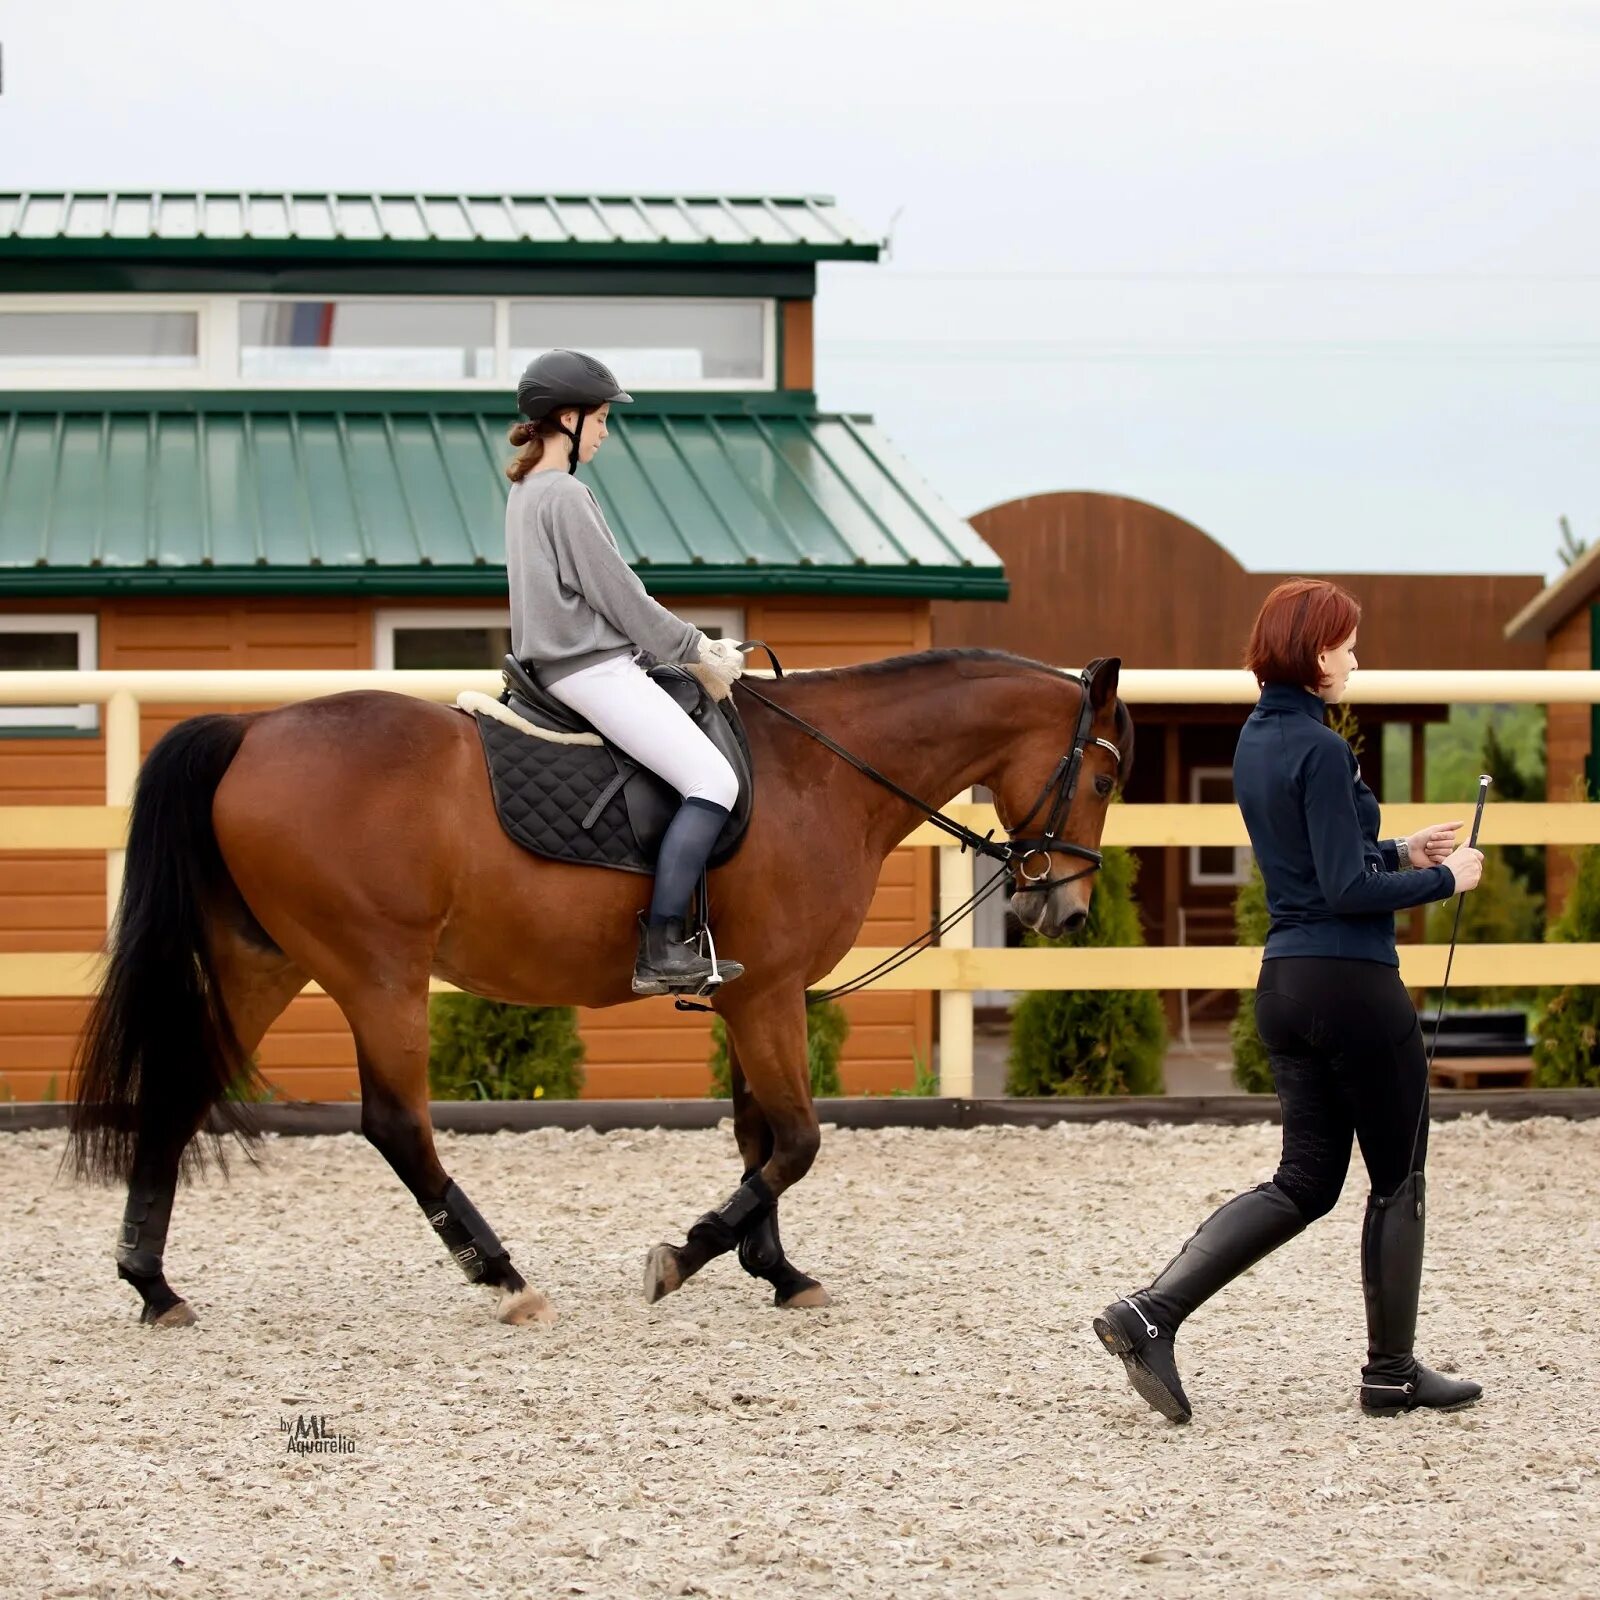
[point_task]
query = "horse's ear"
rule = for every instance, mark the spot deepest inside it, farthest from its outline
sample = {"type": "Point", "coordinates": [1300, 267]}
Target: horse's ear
{"type": "Point", "coordinates": [1103, 675]}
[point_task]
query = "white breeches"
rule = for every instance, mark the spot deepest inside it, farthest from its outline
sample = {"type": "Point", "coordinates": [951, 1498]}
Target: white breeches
{"type": "Point", "coordinates": [640, 717]}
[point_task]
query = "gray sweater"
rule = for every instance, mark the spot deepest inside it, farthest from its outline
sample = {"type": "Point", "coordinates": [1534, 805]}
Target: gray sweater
{"type": "Point", "coordinates": [574, 601]}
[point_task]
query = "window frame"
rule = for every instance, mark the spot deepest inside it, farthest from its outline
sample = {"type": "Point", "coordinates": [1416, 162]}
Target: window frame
{"type": "Point", "coordinates": [307, 383]}
{"type": "Point", "coordinates": [46, 722]}
{"type": "Point", "coordinates": [767, 380]}
{"type": "Point", "coordinates": [387, 620]}
{"type": "Point", "coordinates": [201, 375]}
{"type": "Point", "coordinates": [219, 351]}
{"type": "Point", "coordinates": [1241, 853]}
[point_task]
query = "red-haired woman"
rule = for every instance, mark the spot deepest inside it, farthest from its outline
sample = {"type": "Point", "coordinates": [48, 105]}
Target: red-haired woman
{"type": "Point", "coordinates": [1343, 1036]}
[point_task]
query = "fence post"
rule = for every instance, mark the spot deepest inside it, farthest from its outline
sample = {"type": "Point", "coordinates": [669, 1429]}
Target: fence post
{"type": "Point", "coordinates": [957, 884]}
{"type": "Point", "coordinates": [122, 768]}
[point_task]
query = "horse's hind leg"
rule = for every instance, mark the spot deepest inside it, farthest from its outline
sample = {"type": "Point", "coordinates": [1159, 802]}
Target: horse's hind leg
{"type": "Point", "coordinates": [768, 1033]}
{"type": "Point", "coordinates": [391, 1033]}
{"type": "Point", "coordinates": [256, 986]}
{"type": "Point", "coordinates": [761, 1249]}
{"type": "Point", "coordinates": [145, 1219]}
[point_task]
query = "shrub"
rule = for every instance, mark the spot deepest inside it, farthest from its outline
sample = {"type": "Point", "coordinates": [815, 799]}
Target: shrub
{"type": "Point", "coordinates": [1516, 781]}
{"type": "Point", "coordinates": [1564, 1038]}
{"type": "Point", "coordinates": [1092, 1041]}
{"type": "Point", "coordinates": [487, 1050]}
{"type": "Point", "coordinates": [827, 1028]}
{"type": "Point", "coordinates": [924, 1080]}
{"type": "Point", "coordinates": [1252, 1071]}
{"type": "Point", "coordinates": [1501, 910]}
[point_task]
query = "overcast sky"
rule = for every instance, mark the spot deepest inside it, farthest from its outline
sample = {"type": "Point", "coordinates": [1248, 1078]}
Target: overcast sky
{"type": "Point", "coordinates": [1323, 279]}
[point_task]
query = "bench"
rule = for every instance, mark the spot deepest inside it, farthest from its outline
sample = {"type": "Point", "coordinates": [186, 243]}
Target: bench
{"type": "Point", "coordinates": [1480, 1050]}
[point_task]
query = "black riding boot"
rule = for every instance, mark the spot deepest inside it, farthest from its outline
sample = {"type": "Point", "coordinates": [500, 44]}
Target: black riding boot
{"type": "Point", "coordinates": [1393, 1380]}
{"type": "Point", "coordinates": [1141, 1327]}
{"type": "Point", "coordinates": [671, 964]}
{"type": "Point", "coordinates": [668, 963]}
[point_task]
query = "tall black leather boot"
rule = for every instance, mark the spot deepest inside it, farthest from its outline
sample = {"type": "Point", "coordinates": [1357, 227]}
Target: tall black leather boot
{"type": "Point", "coordinates": [668, 962]}
{"type": "Point", "coordinates": [1141, 1326]}
{"type": "Point", "coordinates": [1393, 1380]}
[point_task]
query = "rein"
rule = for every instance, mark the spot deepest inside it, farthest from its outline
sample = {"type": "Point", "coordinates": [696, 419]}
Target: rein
{"type": "Point", "coordinates": [1058, 789]}
{"type": "Point", "coordinates": [979, 843]}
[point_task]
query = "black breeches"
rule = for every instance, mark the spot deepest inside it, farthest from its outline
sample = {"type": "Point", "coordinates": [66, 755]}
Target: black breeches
{"type": "Point", "coordinates": [1348, 1062]}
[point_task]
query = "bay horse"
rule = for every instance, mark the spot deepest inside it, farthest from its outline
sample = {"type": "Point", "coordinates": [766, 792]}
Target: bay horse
{"type": "Point", "coordinates": [352, 841]}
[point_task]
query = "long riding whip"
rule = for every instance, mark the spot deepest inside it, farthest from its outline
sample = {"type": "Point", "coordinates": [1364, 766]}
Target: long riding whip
{"type": "Point", "coordinates": [1484, 781]}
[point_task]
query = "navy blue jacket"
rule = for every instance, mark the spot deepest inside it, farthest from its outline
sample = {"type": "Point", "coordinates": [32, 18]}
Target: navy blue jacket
{"type": "Point", "coordinates": [1332, 888]}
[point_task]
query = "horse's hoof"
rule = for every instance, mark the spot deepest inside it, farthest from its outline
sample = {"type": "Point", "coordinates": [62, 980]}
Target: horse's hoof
{"type": "Point", "coordinates": [661, 1275]}
{"type": "Point", "coordinates": [177, 1316]}
{"type": "Point", "coordinates": [812, 1298]}
{"type": "Point", "coordinates": [525, 1305]}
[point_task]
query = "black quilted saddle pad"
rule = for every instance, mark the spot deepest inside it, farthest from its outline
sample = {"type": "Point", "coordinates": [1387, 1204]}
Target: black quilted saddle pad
{"type": "Point", "coordinates": [594, 806]}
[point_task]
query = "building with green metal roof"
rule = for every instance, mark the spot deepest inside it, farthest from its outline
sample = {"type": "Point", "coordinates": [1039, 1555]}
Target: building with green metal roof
{"type": "Point", "coordinates": [270, 429]}
{"type": "Point", "coordinates": [236, 393]}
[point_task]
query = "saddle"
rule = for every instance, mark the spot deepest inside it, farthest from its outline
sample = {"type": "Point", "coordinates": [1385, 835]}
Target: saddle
{"type": "Point", "coordinates": [563, 792]}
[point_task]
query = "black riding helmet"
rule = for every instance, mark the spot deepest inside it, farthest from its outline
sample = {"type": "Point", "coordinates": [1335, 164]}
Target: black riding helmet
{"type": "Point", "coordinates": [561, 380]}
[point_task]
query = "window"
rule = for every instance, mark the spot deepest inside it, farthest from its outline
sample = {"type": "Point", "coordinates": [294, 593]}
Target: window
{"type": "Point", "coordinates": [366, 341]}
{"type": "Point", "coordinates": [73, 340]}
{"type": "Point", "coordinates": [221, 341]}
{"type": "Point", "coordinates": [653, 344]}
{"type": "Point", "coordinates": [410, 640]}
{"type": "Point", "coordinates": [1216, 863]}
{"type": "Point", "coordinates": [48, 643]}
{"type": "Point", "coordinates": [464, 638]}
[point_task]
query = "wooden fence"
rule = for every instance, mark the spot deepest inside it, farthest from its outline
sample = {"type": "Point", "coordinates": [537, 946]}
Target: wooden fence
{"type": "Point", "coordinates": [955, 969]}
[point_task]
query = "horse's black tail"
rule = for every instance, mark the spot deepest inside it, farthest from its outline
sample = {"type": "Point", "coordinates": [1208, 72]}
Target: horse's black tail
{"type": "Point", "coordinates": [158, 1050]}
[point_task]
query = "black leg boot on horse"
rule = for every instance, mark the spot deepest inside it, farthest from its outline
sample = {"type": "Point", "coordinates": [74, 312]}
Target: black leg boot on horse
{"type": "Point", "coordinates": [143, 1240]}
{"type": "Point", "coordinates": [778, 1135]}
{"type": "Point", "coordinates": [1140, 1328]}
{"type": "Point", "coordinates": [391, 1056]}
{"type": "Point", "coordinates": [669, 962]}
{"type": "Point", "coordinates": [761, 1251]}
{"type": "Point", "coordinates": [668, 1267]}
{"type": "Point", "coordinates": [1393, 1380]}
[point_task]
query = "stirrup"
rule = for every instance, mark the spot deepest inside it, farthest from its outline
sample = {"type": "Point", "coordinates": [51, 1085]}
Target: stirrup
{"type": "Point", "coordinates": [714, 980]}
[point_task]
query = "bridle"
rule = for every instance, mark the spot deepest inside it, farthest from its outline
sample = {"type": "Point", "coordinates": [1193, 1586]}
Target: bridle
{"type": "Point", "coordinates": [1059, 788]}
{"type": "Point", "coordinates": [1019, 848]}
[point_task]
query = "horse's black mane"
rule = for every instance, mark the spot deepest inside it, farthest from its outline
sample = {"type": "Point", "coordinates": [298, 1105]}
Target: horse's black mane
{"type": "Point", "coordinates": [895, 665]}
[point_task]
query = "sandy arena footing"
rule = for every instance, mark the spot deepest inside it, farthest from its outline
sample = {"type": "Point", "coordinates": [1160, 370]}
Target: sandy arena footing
{"type": "Point", "coordinates": [949, 1427]}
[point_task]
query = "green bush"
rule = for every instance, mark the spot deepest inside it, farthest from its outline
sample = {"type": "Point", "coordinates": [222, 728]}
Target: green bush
{"type": "Point", "coordinates": [487, 1050]}
{"type": "Point", "coordinates": [1507, 907]}
{"type": "Point", "coordinates": [1565, 1036]}
{"type": "Point", "coordinates": [924, 1081]}
{"type": "Point", "coordinates": [1252, 1071]}
{"type": "Point", "coordinates": [1501, 910]}
{"type": "Point", "coordinates": [827, 1028]}
{"type": "Point", "coordinates": [1092, 1041]}
{"type": "Point", "coordinates": [1518, 781]}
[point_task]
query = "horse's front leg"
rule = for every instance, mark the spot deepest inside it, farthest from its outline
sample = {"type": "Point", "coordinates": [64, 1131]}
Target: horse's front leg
{"type": "Point", "coordinates": [761, 1249]}
{"type": "Point", "coordinates": [392, 1057]}
{"type": "Point", "coordinates": [778, 1138]}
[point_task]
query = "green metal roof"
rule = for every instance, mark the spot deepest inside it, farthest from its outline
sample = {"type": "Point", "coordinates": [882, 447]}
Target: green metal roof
{"type": "Point", "coordinates": [411, 227]}
{"type": "Point", "coordinates": [299, 494]}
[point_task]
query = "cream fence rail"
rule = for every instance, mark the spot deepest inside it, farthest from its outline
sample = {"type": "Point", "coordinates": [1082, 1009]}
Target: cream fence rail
{"type": "Point", "coordinates": [955, 969]}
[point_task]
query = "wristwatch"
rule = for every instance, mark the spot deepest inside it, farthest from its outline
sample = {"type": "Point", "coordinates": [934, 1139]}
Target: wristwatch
{"type": "Point", "coordinates": [1402, 849]}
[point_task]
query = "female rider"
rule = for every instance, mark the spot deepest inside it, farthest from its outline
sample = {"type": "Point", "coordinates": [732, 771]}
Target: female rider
{"type": "Point", "coordinates": [1340, 1029]}
{"type": "Point", "coordinates": [581, 620]}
